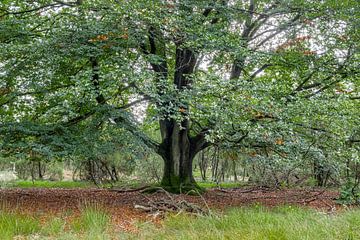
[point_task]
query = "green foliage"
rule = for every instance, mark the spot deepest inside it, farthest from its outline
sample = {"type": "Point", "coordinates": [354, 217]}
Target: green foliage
{"type": "Point", "coordinates": [149, 168]}
{"type": "Point", "coordinates": [55, 170]}
{"type": "Point", "coordinates": [271, 79]}
{"type": "Point", "coordinates": [349, 194]}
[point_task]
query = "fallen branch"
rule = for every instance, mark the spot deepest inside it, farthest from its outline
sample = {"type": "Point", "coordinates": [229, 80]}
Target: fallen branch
{"type": "Point", "coordinates": [249, 190]}
{"type": "Point", "coordinates": [125, 190]}
{"type": "Point", "coordinates": [162, 206]}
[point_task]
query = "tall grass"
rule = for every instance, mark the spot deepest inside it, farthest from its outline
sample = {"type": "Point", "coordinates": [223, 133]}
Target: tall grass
{"type": "Point", "coordinates": [280, 223]}
{"type": "Point", "coordinates": [258, 223]}
{"type": "Point", "coordinates": [93, 223]}
{"type": "Point", "coordinates": [14, 224]}
{"type": "Point", "coordinates": [92, 219]}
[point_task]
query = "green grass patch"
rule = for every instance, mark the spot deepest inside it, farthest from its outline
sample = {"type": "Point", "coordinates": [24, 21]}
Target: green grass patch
{"type": "Point", "coordinates": [53, 227]}
{"type": "Point", "coordinates": [50, 184]}
{"type": "Point", "coordinates": [92, 220]}
{"type": "Point", "coordinates": [70, 184]}
{"type": "Point", "coordinates": [93, 223]}
{"type": "Point", "coordinates": [14, 224]}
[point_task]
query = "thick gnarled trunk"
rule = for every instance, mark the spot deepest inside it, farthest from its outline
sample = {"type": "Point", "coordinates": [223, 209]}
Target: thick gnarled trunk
{"type": "Point", "coordinates": [177, 147]}
{"type": "Point", "coordinates": [178, 150]}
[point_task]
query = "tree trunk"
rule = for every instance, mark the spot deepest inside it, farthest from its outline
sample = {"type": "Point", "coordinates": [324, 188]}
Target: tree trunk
{"type": "Point", "coordinates": [40, 172]}
{"type": "Point", "coordinates": [234, 171]}
{"type": "Point", "coordinates": [177, 148]}
{"type": "Point", "coordinates": [319, 174]}
{"type": "Point", "coordinates": [203, 166]}
{"type": "Point", "coordinates": [178, 151]}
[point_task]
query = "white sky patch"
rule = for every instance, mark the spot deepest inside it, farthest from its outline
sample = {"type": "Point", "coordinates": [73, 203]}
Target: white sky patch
{"type": "Point", "coordinates": [139, 110]}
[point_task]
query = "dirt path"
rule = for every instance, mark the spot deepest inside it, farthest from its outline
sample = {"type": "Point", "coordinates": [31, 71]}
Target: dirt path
{"type": "Point", "coordinates": [56, 202]}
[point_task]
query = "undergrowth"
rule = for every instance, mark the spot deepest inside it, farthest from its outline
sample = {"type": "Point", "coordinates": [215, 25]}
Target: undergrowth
{"type": "Point", "coordinates": [257, 222]}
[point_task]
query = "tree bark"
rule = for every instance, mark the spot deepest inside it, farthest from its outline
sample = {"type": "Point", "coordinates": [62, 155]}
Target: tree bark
{"type": "Point", "coordinates": [178, 151]}
{"type": "Point", "coordinates": [177, 147]}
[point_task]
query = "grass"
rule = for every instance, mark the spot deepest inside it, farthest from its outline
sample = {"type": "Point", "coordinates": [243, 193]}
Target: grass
{"type": "Point", "coordinates": [120, 184]}
{"type": "Point", "coordinates": [260, 223]}
{"type": "Point", "coordinates": [14, 224]}
{"type": "Point", "coordinates": [68, 184]}
{"type": "Point", "coordinates": [93, 223]}
{"type": "Point", "coordinates": [49, 184]}
{"type": "Point", "coordinates": [280, 223]}
{"type": "Point", "coordinates": [92, 220]}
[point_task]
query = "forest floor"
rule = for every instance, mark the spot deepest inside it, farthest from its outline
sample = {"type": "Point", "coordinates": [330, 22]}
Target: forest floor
{"type": "Point", "coordinates": [68, 203]}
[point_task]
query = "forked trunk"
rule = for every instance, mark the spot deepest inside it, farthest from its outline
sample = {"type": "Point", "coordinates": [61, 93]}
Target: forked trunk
{"type": "Point", "coordinates": [177, 148]}
{"type": "Point", "coordinates": [178, 151]}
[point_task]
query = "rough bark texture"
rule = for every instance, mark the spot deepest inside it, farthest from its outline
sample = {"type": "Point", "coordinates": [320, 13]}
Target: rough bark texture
{"type": "Point", "coordinates": [178, 154]}
{"type": "Point", "coordinates": [178, 148]}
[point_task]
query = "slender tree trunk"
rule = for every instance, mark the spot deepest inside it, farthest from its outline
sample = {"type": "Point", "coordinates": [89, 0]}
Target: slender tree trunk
{"type": "Point", "coordinates": [114, 173]}
{"type": "Point", "coordinates": [215, 164]}
{"type": "Point", "coordinates": [319, 173]}
{"type": "Point", "coordinates": [40, 170]}
{"type": "Point", "coordinates": [234, 170]}
{"type": "Point", "coordinates": [32, 171]}
{"type": "Point", "coordinates": [203, 166]}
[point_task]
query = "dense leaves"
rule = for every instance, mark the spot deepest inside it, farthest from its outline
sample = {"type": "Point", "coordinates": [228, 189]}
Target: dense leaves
{"type": "Point", "coordinates": [277, 80]}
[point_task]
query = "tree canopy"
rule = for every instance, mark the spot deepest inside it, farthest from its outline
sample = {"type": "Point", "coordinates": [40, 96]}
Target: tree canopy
{"type": "Point", "coordinates": [274, 79]}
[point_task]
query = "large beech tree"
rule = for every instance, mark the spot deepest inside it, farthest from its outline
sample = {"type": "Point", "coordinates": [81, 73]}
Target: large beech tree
{"type": "Point", "coordinates": [253, 73]}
